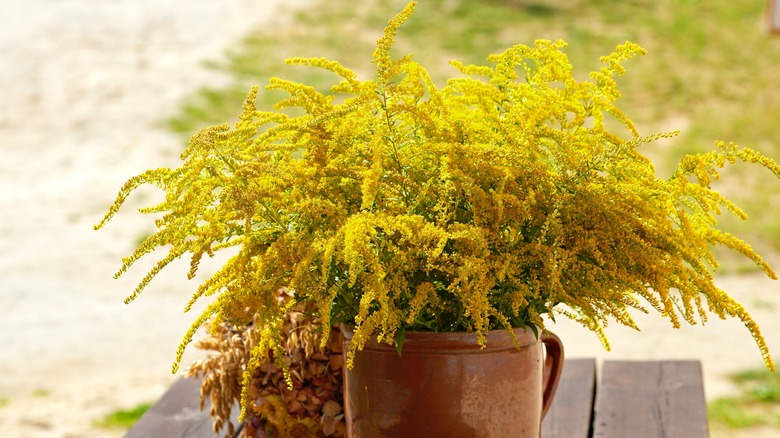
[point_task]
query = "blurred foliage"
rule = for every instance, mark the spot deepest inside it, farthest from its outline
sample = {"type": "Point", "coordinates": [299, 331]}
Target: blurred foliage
{"type": "Point", "coordinates": [41, 392]}
{"type": "Point", "coordinates": [711, 71]}
{"type": "Point", "coordinates": [124, 418]}
{"type": "Point", "coordinates": [758, 403]}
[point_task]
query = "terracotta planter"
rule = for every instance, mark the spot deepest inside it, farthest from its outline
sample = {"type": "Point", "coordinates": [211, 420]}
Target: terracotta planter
{"type": "Point", "coordinates": [444, 384]}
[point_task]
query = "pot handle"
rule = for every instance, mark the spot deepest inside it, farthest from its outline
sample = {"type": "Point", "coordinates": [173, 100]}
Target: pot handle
{"type": "Point", "coordinates": [553, 365]}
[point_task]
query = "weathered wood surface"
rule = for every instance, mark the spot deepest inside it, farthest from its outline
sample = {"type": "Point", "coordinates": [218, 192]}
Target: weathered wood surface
{"type": "Point", "coordinates": [630, 398]}
{"type": "Point", "coordinates": [571, 412]}
{"type": "Point", "coordinates": [177, 415]}
{"type": "Point", "coordinates": [651, 399]}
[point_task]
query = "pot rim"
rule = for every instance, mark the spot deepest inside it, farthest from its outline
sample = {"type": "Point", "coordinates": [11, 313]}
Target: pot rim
{"type": "Point", "coordinates": [419, 342]}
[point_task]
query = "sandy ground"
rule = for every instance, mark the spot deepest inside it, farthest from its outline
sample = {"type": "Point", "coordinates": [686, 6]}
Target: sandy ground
{"type": "Point", "coordinates": [83, 84]}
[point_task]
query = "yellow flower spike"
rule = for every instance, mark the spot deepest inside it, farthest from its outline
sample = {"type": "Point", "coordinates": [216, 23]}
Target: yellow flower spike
{"type": "Point", "coordinates": [327, 64]}
{"type": "Point", "coordinates": [155, 177]}
{"type": "Point", "coordinates": [208, 313]}
{"type": "Point", "coordinates": [381, 55]}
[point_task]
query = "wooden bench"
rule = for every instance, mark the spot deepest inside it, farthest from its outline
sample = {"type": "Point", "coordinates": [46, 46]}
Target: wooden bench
{"type": "Point", "coordinates": [637, 399]}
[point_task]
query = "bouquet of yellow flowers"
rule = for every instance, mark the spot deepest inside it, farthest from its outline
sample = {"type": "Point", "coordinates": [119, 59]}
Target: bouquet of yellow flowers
{"type": "Point", "coordinates": [395, 205]}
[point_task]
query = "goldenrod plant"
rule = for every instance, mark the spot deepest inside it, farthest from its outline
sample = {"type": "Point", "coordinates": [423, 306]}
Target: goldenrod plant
{"type": "Point", "coordinates": [512, 192]}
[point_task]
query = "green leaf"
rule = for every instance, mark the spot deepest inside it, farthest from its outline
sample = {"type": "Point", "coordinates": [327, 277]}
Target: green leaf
{"type": "Point", "coordinates": [534, 329]}
{"type": "Point", "coordinates": [399, 340]}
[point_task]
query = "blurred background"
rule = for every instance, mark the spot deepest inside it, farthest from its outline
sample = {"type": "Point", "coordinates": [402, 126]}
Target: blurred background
{"type": "Point", "coordinates": [95, 91]}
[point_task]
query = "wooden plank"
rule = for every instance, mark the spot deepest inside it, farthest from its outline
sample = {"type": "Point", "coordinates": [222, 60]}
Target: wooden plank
{"type": "Point", "coordinates": [177, 415]}
{"type": "Point", "coordinates": [651, 399]}
{"type": "Point", "coordinates": [571, 412]}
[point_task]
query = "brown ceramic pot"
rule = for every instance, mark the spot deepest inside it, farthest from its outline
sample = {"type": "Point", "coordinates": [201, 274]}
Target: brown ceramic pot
{"type": "Point", "coordinates": [445, 385]}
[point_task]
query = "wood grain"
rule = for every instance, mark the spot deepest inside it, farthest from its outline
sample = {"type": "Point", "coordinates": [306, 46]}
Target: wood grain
{"type": "Point", "coordinates": [651, 399]}
{"type": "Point", "coordinates": [571, 412]}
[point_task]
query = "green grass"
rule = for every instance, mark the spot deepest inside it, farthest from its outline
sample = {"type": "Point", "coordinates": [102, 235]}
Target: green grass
{"type": "Point", "coordinates": [711, 69]}
{"type": "Point", "coordinates": [758, 403]}
{"type": "Point", "coordinates": [123, 418]}
{"type": "Point", "coordinates": [4, 402]}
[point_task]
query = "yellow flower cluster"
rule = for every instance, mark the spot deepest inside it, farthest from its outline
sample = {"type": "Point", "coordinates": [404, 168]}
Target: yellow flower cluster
{"type": "Point", "coordinates": [281, 423]}
{"type": "Point", "coordinates": [484, 204]}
